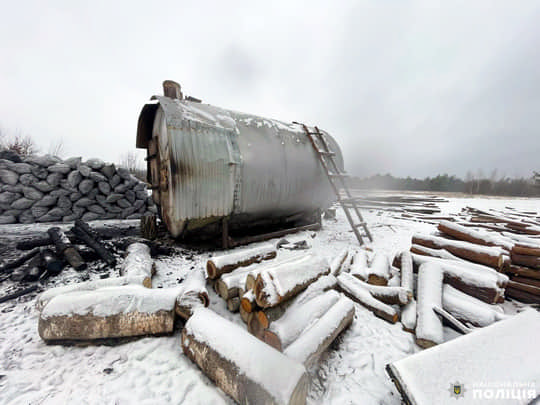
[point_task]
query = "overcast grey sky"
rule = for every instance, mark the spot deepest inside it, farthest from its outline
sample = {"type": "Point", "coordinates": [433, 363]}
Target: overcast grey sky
{"type": "Point", "coordinates": [407, 87]}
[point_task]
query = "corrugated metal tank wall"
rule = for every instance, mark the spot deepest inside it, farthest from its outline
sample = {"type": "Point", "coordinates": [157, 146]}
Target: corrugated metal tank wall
{"type": "Point", "coordinates": [218, 163]}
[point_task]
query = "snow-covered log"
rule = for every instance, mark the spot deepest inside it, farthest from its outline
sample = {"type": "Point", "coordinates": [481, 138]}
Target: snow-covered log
{"type": "Point", "coordinates": [138, 262]}
{"type": "Point", "coordinates": [479, 281]}
{"type": "Point", "coordinates": [379, 271]}
{"type": "Point", "coordinates": [504, 351]}
{"type": "Point", "coordinates": [193, 294]}
{"type": "Point", "coordinates": [450, 319]}
{"type": "Point", "coordinates": [352, 288]}
{"type": "Point", "coordinates": [108, 312]}
{"type": "Point", "coordinates": [407, 276]}
{"type": "Point", "coordinates": [388, 295]}
{"type": "Point", "coordinates": [469, 309]}
{"type": "Point", "coordinates": [316, 339]}
{"type": "Point", "coordinates": [469, 235]}
{"type": "Point", "coordinates": [282, 282]}
{"type": "Point", "coordinates": [439, 253]}
{"type": "Point", "coordinates": [65, 248]}
{"type": "Point", "coordinates": [408, 316]}
{"type": "Point", "coordinates": [528, 250]}
{"type": "Point", "coordinates": [49, 294]}
{"type": "Point", "coordinates": [524, 272]}
{"type": "Point", "coordinates": [230, 284]}
{"type": "Point", "coordinates": [359, 266]}
{"type": "Point", "coordinates": [489, 256]}
{"type": "Point", "coordinates": [429, 329]}
{"type": "Point", "coordinates": [337, 263]}
{"type": "Point", "coordinates": [297, 318]}
{"type": "Point", "coordinates": [216, 266]}
{"type": "Point", "coordinates": [245, 368]}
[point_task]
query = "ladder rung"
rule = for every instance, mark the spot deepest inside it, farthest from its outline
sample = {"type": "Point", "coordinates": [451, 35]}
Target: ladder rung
{"type": "Point", "coordinates": [359, 225]}
{"type": "Point", "coordinates": [325, 153]}
{"type": "Point", "coordinates": [338, 174]}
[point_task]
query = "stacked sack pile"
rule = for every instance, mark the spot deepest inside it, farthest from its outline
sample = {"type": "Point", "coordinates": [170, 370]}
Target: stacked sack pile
{"type": "Point", "coordinates": [48, 189]}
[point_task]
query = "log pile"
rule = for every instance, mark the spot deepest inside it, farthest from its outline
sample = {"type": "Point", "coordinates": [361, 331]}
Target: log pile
{"type": "Point", "coordinates": [285, 298]}
{"type": "Point", "coordinates": [48, 189]}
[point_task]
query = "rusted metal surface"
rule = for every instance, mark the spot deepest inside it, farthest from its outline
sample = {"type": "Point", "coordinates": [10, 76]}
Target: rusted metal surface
{"type": "Point", "coordinates": [213, 163]}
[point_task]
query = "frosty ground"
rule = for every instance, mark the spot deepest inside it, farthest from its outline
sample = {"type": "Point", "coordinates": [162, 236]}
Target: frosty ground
{"type": "Point", "coordinates": [154, 370]}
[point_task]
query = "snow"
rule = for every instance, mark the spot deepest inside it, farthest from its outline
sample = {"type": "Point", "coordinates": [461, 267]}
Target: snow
{"type": "Point", "coordinates": [306, 346]}
{"type": "Point", "coordinates": [154, 370]}
{"type": "Point", "coordinates": [380, 266]}
{"type": "Point", "coordinates": [467, 308]}
{"type": "Point", "coordinates": [407, 276]}
{"type": "Point", "coordinates": [108, 301]}
{"type": "Point", "coordinates": [271, 369]}
{"type": "Point", "coordinates": [338, 262]}
{"type": "Point", "coordinates": [487, 237]}
{"type": "Point", "coordinates": [428, 324]}
{"type": "Point", "coordinates": [138, 261]}
{"type": "Point", "coordinates": [46, 296]}
{"type": "Point", "coordinates": [484, 360]}
{"type": "Point", "coordinates": [408, 315]}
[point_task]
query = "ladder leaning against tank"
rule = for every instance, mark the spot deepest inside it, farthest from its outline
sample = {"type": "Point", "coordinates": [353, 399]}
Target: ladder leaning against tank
{"type": "Point", "coordinates": [326, 157]}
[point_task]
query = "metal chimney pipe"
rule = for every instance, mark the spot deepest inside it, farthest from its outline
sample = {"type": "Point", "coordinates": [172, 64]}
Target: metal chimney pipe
{"type": "Point", "coordinates": [172, 89]}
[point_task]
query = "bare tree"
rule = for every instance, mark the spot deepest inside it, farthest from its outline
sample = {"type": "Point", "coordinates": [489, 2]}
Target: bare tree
{"type": "Point", "coordinates": [134, 163]}
{"type": "Point", "coordinates": [23, 145]}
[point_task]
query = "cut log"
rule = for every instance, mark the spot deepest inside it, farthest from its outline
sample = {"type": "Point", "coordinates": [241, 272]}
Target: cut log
{"type": "Point", "coordinates": [479, 281]}
{"type": "Point", "coordinates": [524, 260]}
{"type": "Point", "coordinates": [525, 280]}
{"type": "Point", "coordinates": [33, 243]}
{"type": "Point", "coordinates": [94, 244]}
{"type": "Point", "coordinates": [524, 272]}
{"type": "Point", "coordinates": [379, 271]}
{"type": "Point", "coordinates": [429, 328]}
{"type": "Point", "coordinates": [51, 262]}
{"type": "Point", "coordinates": [337, 263]}
{"type": "Point", "coordinates": [522, 296]}
{"type": "Point", "coordinates": [388, 295]}
{"type": "Point", "coordinates": [527, 250]}
{"type": "Point", "coordinates": [316, 339]}
{"type": "Point", "coordinates": [352, 288]}
{"type": "Point", "coordinates": [468, 309]}
{"type": "Point", "coordinates": [193, 295]}
{"type": "Point", "coordinates": [297, 319]}
{"type": "Point", "coordinates": [19, 261]}
{"type": "Point", "coordinates": [83, 226]}
{"type": "Point", "coordinates": [92, 285]}
{"type": "Point", "coordinates": [359, 266]}
{"type": "Point", "coordinates": [408, 316]}
{"type": "Point", "coordinates": [148, 227]}
{"type": "Point", "coordinates": [439, 253]}
{"type": "Point", "coordinates": [246, 316]}
{"type": "Point", "coordinates": [455, 323]}
{"type": "Point", "coordinates": [531, 289]}
{"type": "Point", "coordinates": [65, 248]}
{"type": "Point", "coordinates": [489, 256]}
{"type": "Point", "coordinates": [108, 312]}
{"type": "Point", "coordinates": [480, 238]}
{"type": "Point", "coordinates": [280, 283]}
{"type": "Point", "coordinates": [18, 293]}
{"type": "Point", "coordinates": [273, 379]}
{"type": "Point", "coordinates": [230, 284]}
{"type": "Point", "coordinates": [248, 301]}
{"type": "Point", "coordinates": [407, 276]}
{"type": "Point", "coordinates": [233, 304]}
{"type": "Point", "coordinates": [219, 265]}
{"type": "Point", "coordinates": [138, 262]}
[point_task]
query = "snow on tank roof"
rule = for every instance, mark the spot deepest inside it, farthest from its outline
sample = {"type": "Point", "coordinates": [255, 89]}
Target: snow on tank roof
{"type": "Point", "coordinates": [182, 112]}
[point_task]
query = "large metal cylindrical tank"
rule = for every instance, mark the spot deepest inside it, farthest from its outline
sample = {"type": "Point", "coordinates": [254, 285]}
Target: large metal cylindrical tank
{"type": "Point", "coordinates": [206, 163]}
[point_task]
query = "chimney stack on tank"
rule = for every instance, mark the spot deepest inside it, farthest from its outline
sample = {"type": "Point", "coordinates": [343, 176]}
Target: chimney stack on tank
{"type": "Point", "coordinates": [172, 89]}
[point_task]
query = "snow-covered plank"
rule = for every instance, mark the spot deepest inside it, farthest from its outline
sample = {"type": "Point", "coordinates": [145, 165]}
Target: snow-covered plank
{"type": "Point", "coordinates": [486, 359]}
{"type": "Point", "coordinates": [245, 368]}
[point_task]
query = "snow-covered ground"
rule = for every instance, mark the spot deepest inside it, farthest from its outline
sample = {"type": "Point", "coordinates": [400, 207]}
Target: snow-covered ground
{"type": "Point", "coordinates": [153, 370]}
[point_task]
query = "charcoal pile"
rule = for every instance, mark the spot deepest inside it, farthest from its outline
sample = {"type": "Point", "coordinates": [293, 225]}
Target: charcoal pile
{"type": "Point", "coordinates": [48, 189]}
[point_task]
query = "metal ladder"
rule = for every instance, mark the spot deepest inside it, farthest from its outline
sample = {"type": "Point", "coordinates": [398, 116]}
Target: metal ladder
{"type": "Point", "coordinates": [326, 157]}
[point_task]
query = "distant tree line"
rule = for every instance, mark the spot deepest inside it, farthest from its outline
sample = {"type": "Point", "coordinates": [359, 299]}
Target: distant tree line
{"type": "Point", "coordinates": [472, 184]}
